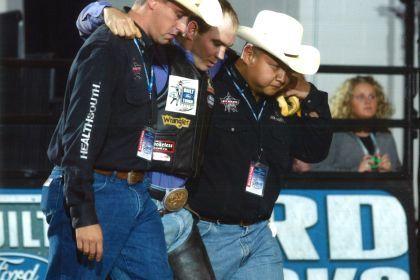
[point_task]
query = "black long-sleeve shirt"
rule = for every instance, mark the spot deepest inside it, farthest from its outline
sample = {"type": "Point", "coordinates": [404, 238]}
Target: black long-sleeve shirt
{"type": "Point", "coordinates": [236, 138]}
{"type": "Point", "coordinates": [106, 106]}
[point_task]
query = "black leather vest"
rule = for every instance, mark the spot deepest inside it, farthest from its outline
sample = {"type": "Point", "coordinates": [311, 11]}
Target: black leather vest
{"type": "Point", "coordinates": [180, 133]}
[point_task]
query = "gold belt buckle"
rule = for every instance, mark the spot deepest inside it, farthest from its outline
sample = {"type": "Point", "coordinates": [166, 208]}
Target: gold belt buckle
{"type": "Point", "coordinates": [175, 199]}
{"type": "Point", "coordinates": [133, 177]}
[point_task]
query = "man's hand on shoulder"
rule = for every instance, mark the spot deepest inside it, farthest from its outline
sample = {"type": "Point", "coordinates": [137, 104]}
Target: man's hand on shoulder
{"type": "Point", "coordinates": [120, 23]}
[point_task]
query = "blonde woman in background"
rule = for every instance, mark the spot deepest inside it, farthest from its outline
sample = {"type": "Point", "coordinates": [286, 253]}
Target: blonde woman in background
{"type": "Point", "coordinates": [363, 149]}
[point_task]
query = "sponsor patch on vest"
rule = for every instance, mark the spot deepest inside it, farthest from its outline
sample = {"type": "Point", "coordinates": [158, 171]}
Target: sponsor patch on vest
{"type": "Point", "coordinates": [177, 122]}
{"type": "Point", "coordinates": [163, 149]}
{"type": "Point", "coordinates": [210, 87]}
{"type": "Point", "coordinates": [230, 103]}
{"type": "Point", "coordinates": [210, 100]}
{"type": "Point", "coordinates": [166, 146]}
{"type": "Point", "coordinates": [182, 95]}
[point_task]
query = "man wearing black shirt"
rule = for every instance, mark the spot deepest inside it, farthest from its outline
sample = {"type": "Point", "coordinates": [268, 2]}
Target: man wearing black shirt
{"type": "Point", "coordinates": [251, 145]}
{"type": "Point", "coordinates": [96, 201]}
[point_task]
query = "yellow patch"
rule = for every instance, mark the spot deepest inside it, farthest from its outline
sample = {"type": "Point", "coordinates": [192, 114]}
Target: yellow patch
{"type": "Point", "coordinates": [178, 122]}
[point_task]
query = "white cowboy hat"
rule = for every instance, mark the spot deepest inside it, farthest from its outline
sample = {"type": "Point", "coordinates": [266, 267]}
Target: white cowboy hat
{"type": "Point", "coordinates": [209, 10]}
{"type": "Point", "coordinates": [281, 36]}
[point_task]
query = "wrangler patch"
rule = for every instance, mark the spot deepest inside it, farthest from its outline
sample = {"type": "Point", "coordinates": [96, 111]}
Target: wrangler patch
{"type": "Point", "coordinates": [177, 122]}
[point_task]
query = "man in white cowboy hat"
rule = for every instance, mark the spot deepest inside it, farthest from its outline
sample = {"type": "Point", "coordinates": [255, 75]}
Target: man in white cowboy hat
{"type": "Point", "coordinates": [250, 146]}
{"type": "Point", "coordinates": [96, 201]}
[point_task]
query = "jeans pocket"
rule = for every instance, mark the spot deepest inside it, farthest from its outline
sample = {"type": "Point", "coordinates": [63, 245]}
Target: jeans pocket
{"type": "Point", "coordinates": [99, 182]}
{"type": "Point", "coordinates": [204, 227]}
{"type": "Point", "coordinates": [52, 198]}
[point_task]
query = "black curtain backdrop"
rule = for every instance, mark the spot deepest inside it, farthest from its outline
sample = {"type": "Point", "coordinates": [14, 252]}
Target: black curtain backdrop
{"type": "Point", "coordinates": [9, 25]}
{"type": "Point", "coordinates": [50, 26]}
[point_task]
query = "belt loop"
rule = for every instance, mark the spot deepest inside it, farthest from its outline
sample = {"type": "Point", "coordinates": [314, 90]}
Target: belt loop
{"type": "Point", "coordinates": [113, 176]}
{"type": "Point", "coordinates": [243, 224]}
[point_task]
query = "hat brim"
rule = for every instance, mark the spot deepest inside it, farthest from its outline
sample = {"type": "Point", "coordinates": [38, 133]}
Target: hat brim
{"type": "Point", "coordinates": [305, 61]}
{"type": "Point", "coordinates": [209, 10]}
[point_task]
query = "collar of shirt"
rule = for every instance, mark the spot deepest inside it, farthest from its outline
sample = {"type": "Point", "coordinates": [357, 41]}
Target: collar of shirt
{"type": "Point", "coordinates": [146, 43]}
{"type": "Point", "coordinates": [240, 82]}
{"type": "Point", "coordinates": [161, 67]}
{"type": "Point", "coordinates": [188, 55]}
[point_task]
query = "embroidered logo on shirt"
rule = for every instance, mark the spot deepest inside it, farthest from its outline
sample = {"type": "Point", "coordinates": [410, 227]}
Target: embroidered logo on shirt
{"type": "Point", "coordinates": [136, 69]}
{"type": "Point", "coordinates": [277, 117]}
{"type": "Point", "coordinates": [90, 117]}
{"type": "Point", "coordinates": [230, 103]}
{"type": "Point", "coordinates": [177, 122]}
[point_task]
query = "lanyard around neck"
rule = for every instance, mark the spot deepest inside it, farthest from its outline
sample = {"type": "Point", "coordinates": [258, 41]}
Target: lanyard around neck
{"type": "Point", "coordinates": [374, 142]}
{"type": "Point", "coordinates": [150, 80]}
{"type": "Point", "coordinates": [257, 117]}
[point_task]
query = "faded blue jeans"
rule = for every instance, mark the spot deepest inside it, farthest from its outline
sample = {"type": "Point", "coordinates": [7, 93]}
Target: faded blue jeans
{"type": "Point", "coordinates": [177, 227]}
{"type": "Point", "coordinates": [242, 253]}
{"type": "Point", "coordinates": [132, 229]}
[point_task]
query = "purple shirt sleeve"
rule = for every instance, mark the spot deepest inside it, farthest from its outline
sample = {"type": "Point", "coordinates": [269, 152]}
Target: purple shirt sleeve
{"type": "Point", "coordinates": [216, 68]}
{"type": "Point", "coordinates": [91, 17]}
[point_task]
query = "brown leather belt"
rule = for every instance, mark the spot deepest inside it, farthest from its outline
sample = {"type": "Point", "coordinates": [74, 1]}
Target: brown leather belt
{"type": "Point", "coordinates": [132, 177]}
{"type": "Point", "coordinates": [241, 223]}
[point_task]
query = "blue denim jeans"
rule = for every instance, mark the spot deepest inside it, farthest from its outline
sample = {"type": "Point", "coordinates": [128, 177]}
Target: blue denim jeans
{"type": "Point", "coordinates": [132, 230]}
{"type": "Point", "coordinates": [242, 253]}
{"type": "Point", "coordinates": [177, 227]}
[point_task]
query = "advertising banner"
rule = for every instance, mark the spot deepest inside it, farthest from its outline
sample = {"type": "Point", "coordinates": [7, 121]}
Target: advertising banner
{"type": "Point", "coordinates": [23, 235]}
{"type": "Point", "coordinates": [342, 235]}
{"type": "Point", "coordinates": [325, 234]}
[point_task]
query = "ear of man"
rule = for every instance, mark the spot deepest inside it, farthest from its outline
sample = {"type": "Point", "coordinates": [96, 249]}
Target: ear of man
{"type": "Point", "coordinates": [192, 30]}
{"type": "Point", "coordinates": [249, 54]}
